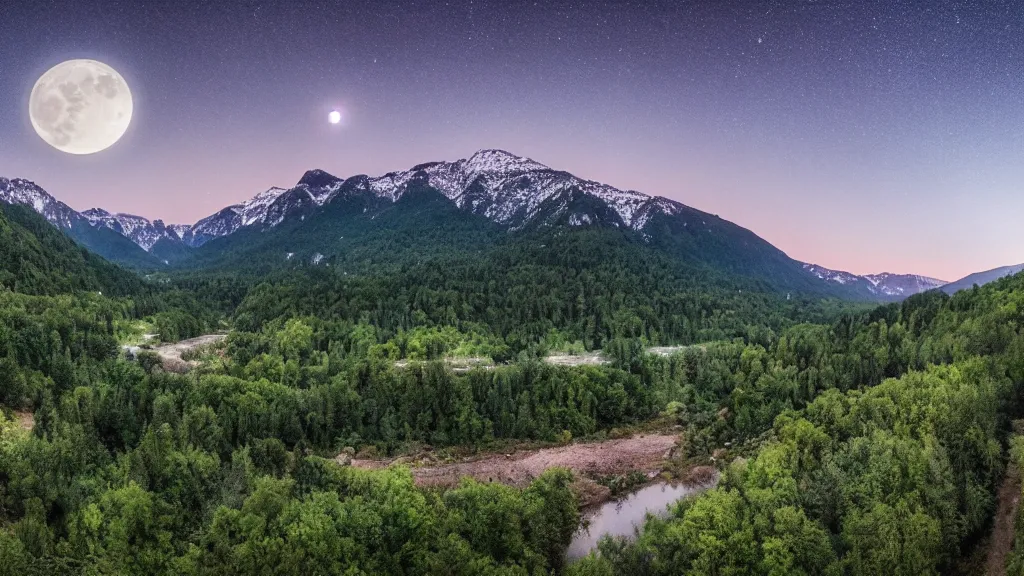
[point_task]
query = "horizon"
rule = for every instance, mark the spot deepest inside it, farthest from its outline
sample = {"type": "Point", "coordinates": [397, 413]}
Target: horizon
{"type": "Point", "coordinates": [245, 198]}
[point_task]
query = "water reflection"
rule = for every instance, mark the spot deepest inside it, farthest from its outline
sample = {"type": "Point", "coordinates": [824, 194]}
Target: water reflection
{"type": "Point", "coordinates": [622, 517]}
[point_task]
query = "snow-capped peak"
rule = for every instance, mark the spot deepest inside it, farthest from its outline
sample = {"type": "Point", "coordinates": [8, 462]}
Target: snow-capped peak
{"type": "Point", "coordinates": [511, 189]}
{"type": "Point", "coordinates": [835, 276]}
{"type": "Point", "coordinates": [508, 189]}
{"type": "Point", "coordinates": [254, 209]}
{"type": "Point", "coordinates": [501, 162]}
{"type": "Point", "coordinates": [922, 280]}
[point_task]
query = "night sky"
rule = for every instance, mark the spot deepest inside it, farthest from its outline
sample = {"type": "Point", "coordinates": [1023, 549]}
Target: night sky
{"type": "Point", "coordinates": [861, 135]}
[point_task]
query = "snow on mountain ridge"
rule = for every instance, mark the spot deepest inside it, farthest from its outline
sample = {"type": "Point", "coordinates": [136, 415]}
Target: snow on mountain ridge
{"type": "Point", "coordinates": [492, 161]}
{"type": "Point", "coordinates": [510, 189]}
{"type": "Point", "coordinates": [28, 193]}
{"type": "Point", "coordinates": [496, 184]}
{"type": "Point", "coordinates": [255, 209]}
{"type": "Point", "coordinates": [136, 228]}
{"type": "Point", "coordinates": [885, 284]}
{"type": "Point", "coordinates": [837, 276]}
{"type": "Point", "coordinates": [925, 280]}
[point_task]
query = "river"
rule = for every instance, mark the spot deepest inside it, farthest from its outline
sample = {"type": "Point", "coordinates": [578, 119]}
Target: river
{"type": "Point", "coordinates": [623, 517]}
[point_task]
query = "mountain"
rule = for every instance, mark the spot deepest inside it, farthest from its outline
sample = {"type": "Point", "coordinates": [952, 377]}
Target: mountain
{"type": "Point", "coordinates": [470, 205]}
{"type": "Point", "coordinates": [981, 278]}
{"type": "Point", "coordinates": [136, 228]}
{"type": "Point", "coordinates": [884, 286]}
{"type": "Point", "coordinates": [36, 258]}
{"type": "Point", "coordinates": [474, 205]}
{"type": "Point", "coordinates": [108, 242]}
{"type": "Point", "coordinates": [504, 188]}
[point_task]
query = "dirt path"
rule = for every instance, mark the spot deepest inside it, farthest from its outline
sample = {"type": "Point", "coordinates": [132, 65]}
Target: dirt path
{"type": "Point", "coordinates": [646, 453]}
{"type": "Point", "coordinates": [171, 353]}
{"type": "Point", "coordinates": [1001, 541]}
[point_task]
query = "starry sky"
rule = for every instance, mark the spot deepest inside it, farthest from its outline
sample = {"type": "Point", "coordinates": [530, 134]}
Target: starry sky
{"type": "Point", "coordinates": [863, 135]}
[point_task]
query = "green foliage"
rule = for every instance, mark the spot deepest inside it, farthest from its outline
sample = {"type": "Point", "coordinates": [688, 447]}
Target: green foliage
{"type": "Point", "coordinates": [885, 452]}
{"type": "Point", "coordinates": [36, 258]}
{"type": "Point", "coordinates": [586, 286]}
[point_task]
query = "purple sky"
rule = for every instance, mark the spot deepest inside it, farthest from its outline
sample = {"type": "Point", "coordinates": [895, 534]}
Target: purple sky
{"type": "Point", "coordinates": [867, 136]}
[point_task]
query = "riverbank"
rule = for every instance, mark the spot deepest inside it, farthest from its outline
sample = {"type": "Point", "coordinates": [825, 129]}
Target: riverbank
{"type": "Point", "coordinates": [645, 453]}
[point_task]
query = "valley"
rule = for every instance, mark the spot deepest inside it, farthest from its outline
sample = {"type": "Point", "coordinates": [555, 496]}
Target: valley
{"type": "Point", "coordinates": [492, 288]}
{"type": "Point", "coordinates": [489, 369]}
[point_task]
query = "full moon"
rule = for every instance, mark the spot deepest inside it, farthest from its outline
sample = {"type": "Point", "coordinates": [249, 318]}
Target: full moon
{"type": "Point", "coordinates": [81, 106]}
{"type": "Point", "coordinates": [334, 117]}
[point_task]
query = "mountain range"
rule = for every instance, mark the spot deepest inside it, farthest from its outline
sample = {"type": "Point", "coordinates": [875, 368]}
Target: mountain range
{"type": "Point", "coordinates": [492, 194]}
{"type": "Point", "coordinates": [885, 286]}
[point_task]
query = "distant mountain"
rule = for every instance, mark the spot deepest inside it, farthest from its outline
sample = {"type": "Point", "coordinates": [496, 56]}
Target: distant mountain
{"type": "Point", "coordinates": [981, 278]}
{"type": "Point", "coordinates": [135, 228]}
{"type": "Point", "coordinates": [884, 286]}
{"type": "Point", "coordinates": [487, 197]}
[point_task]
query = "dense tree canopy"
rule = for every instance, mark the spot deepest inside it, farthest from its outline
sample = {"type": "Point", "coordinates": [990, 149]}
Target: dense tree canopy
{"type": "Point", "coordinates": [870, 441]}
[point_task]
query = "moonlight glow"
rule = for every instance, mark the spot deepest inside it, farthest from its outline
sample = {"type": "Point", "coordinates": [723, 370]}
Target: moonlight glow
{"type": "Point", "coordinates": [81, 106]}
{"type": "Point", "coordinates": [334, 117]}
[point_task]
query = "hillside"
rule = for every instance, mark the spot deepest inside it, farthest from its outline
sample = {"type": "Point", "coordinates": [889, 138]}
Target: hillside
{"type": "Point", "coordinates": [36, 258]}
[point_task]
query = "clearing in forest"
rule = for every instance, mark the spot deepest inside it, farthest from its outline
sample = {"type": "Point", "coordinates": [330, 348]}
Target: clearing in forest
{"type": "Point", "coordinates": [26, 420]}
{"type": "Point", "coordinates": [643, 452]}
{"type": "Point", "coordinates": [171, 354]}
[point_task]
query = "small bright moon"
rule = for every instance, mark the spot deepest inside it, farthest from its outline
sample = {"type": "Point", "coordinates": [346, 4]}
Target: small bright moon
{"type": "Point", "coordinates": [81, 106]}
{"type": "Point", "coordinates": [334, 117]}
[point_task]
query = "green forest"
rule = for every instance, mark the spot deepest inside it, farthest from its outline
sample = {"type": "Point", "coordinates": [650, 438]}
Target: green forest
{"type": "Point", "coordinates": [860, 440]}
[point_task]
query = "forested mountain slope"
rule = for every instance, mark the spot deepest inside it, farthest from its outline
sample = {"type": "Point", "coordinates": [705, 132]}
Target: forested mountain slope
{"type": "Point", "coordinates": [36, 258]}
{"type": "Point", "coordinates": [876, 427]}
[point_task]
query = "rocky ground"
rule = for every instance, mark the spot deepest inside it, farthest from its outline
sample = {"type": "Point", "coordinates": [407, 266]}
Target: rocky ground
{"type": "Point", "coordinates": [645, 452]}
{"type": "Point", "coordinates": [171, 354]}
